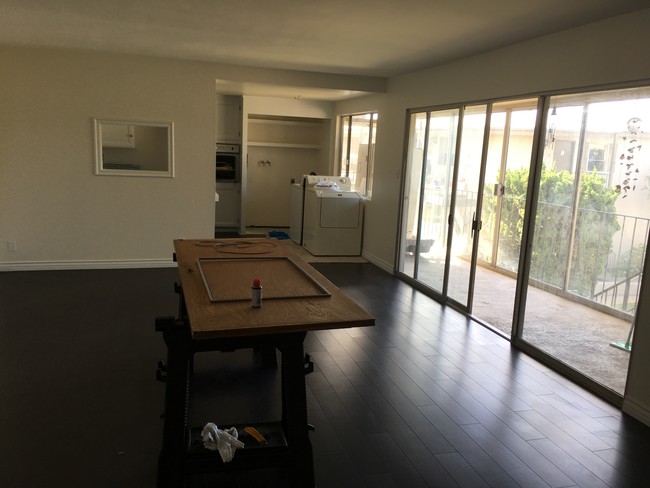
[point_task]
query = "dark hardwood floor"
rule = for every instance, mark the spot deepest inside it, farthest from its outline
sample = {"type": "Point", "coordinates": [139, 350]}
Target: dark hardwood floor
{"type": "Point", "coordinates": [426, 398]}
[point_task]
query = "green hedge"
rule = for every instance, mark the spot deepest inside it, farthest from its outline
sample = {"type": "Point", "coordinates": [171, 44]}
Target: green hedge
{"type": "Point", "coordinates": [596, 224]}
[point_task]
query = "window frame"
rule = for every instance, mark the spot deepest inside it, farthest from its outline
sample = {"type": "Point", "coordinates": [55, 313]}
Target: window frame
{"type": "Point", "coordinates": [345, 121]}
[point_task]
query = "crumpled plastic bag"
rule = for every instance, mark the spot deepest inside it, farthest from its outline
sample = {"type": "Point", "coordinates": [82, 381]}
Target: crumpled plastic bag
{"type": "Point", "coordinates": [224, 441]}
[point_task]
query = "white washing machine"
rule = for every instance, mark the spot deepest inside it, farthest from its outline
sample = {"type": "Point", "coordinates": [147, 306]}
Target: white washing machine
{"type": "Point", "coordinates": [332, 217]}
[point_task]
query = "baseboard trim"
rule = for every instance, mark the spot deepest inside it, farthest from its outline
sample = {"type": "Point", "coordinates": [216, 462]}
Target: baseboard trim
{"type": "Point", "coordinates": [377, 262]}
{"type": "Point", "coordinates": [639, 412]}
{"type": "Point", "coordinates": [79, 265]}
{"type": "Point", "coordinates": [127, 264]}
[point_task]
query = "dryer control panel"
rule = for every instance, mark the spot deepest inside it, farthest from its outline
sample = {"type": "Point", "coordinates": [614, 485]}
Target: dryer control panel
{"type": "Point", "coordinates": [336, 183]}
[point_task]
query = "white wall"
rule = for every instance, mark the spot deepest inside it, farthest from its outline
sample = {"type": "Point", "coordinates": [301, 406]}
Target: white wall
{"type": "Point", "coordinates": [287, 107]}
{"type": "Point", "coordinates": [53, 206]}
{"type": "Point", "coordinates": [637, 389]}
{"type": "Point", "coordinates": [608, 52]}
{"type": "Point", "coordinates": [615, 50]}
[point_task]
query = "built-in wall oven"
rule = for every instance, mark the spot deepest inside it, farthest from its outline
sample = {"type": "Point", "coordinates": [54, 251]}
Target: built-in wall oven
{"type": "Point", "coordinates": [227, 162]}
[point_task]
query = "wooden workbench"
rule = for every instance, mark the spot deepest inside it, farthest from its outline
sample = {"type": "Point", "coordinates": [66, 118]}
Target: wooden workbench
{"type": "Point", "coordinates": [215, 313]}
{"type": "Point", "coordinates": [236, 263]}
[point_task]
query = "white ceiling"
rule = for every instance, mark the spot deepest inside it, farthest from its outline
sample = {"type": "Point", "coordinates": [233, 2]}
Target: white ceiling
{"type": "Point", "coordinates": [377, 38]}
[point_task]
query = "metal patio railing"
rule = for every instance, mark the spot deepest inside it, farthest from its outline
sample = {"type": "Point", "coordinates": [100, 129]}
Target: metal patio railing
{"type": "Point", "coordinates": [616, 288]}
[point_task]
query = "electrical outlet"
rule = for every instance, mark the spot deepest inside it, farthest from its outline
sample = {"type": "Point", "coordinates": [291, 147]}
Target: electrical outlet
{"type": "Point", "coordinates": [11, 246]}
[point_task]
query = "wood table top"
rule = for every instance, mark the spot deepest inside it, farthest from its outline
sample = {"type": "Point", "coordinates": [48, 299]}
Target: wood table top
{"type": "Point", "coordinates": [216, 276]}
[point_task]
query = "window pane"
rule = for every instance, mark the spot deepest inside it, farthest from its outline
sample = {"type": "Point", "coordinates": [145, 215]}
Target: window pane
{"type": "Point", "coordinates": [591, 231]}
{"type": "Point", "coordinates": [491, 192]}
{"type": "Point", "coordinates": [411, 206]}
{"type": "Point", "coordinates": [357, 150]}
{"type": "Point", "coordinates": [503, 208]}
{"type": "Point", "coordinates": [345, 145]}
{"type": "Point", "coordinates": [371, 156]}
{"type": "Point", "coordinates": [441, 151]}
{"type": "Point", "coordinates": [467, 187]}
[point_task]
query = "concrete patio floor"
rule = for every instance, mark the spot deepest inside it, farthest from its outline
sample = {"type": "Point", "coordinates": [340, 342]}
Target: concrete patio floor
{"type": "Point", "coordinates": [576, 334]}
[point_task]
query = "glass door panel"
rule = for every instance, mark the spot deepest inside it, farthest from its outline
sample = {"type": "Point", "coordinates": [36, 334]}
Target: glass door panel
{"type": "Point", "coordinates": [491, 194]}
{"type": "Point", "coordinates": [466, 198]}
{"type": "Point", "coordinates": [515, 186]}
{"type": "Point", "coordinates": [509, 156]}
{"type": "Point", "coordinates": [590, 233]}
{"type": "Point", "coordinates": [436, 198]}
{"type": "Point", "coordinates": [412, 194]}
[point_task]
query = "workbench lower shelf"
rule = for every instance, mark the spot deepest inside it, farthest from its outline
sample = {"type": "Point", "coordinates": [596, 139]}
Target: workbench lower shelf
{"type": "Point", "coordinates": [274, 453]}
{"type": "Point", "coordinates": [271, 431]}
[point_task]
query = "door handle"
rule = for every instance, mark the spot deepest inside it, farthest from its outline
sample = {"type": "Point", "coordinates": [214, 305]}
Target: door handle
{"type": "Point", "coordinates": [476, 224]}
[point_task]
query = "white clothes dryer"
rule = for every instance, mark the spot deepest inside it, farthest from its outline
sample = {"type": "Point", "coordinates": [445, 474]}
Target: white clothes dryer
{"type": "Point", "coordinates": [333, 217]}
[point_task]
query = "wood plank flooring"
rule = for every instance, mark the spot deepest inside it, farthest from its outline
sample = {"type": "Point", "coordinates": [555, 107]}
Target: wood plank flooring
{"type": "Point", "coordinates": [425, 398]}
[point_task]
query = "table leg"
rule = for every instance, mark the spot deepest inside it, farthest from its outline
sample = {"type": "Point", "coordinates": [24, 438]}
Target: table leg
{"type": "Point", "coordinates": [294, 412]}
{"type": "Point", "coordinates": [170, 462]}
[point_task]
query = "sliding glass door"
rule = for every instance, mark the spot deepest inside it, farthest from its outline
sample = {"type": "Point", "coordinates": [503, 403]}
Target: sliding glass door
{"type": "Point", "coordinates": [465, 226]}
{"type": "Point", "coordinates": [535, 222]}
{"type": "Point", "coordinates": [467, 172]}
{"type": "Point", "coordinates": [507, 169]}
{"type": "Point", "coordinates": [590, 231]}
{"type": "Point", "coordinates": [427, 201]}
{"type": "Point", "coordinates": [440, 225]}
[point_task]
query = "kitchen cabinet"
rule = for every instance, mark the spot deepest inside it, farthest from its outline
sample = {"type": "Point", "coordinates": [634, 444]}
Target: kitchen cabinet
{"type": "Point", "coordinates": [118, 135]}
{"type": "Point", "coordinates": [228, 119]}
{"type": "Point", "coordinates": [227, 209]}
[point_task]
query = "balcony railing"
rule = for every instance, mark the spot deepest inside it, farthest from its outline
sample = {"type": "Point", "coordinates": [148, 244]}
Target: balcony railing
{"type": "Point", "coordinates": [613, 285]}
{"type": "Point", "coordinates": [619, 286]}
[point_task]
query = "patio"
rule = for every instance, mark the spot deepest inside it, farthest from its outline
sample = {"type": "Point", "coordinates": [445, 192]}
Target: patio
{"type": "Point", "coordinates": [576, 334]}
